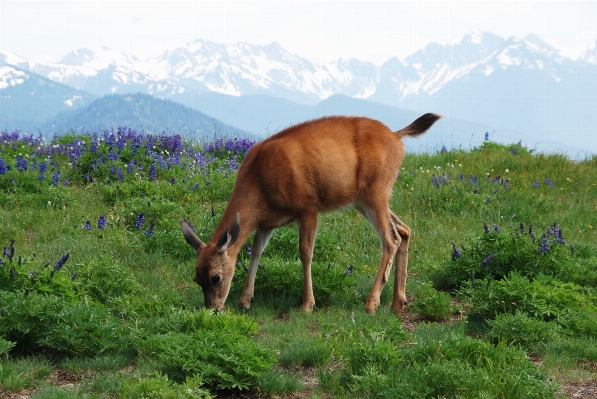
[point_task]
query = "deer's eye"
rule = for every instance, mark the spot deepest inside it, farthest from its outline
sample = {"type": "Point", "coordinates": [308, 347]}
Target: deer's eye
{"type": "Point", "coordinates": [215, 279]}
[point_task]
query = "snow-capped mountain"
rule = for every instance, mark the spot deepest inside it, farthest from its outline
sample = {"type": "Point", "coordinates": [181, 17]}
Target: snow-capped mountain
{"type": "Point", "coordinates": [520, 84]}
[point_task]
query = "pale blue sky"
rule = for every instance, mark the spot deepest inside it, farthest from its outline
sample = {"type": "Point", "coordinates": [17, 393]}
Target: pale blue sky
{"type": "Point", "coordinates": [319, 31]}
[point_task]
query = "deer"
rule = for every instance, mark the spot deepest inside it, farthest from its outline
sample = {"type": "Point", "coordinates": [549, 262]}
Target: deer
{"type": "Point", "coordinates": [317, 166]}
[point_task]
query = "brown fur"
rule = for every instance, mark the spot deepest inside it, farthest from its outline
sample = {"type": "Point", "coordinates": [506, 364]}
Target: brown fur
{"type": "Point", "coordinates": [317, 166]}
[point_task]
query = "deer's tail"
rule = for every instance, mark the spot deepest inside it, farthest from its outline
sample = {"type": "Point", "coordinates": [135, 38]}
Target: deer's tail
{"type": "Point", "coordinates": [420, 126]}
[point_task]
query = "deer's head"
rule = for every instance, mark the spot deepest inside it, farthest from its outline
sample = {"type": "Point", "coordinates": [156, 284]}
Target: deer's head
{"type": "Point", "coordinates": [215, 269]}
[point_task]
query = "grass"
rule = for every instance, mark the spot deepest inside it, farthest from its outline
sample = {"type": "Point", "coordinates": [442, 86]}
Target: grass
{"type": "Point", "coordinates": [122, 315]}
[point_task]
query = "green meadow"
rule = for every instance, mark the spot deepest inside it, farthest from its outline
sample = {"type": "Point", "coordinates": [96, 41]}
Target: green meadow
{"type": "Point", "coordinates": [97, 298]}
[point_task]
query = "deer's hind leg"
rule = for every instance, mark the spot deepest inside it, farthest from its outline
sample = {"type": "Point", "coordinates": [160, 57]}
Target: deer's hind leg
{"type": "Point", "coordinates": [382, 220]}
{"type": "Point", "coordinates": [401, 264]}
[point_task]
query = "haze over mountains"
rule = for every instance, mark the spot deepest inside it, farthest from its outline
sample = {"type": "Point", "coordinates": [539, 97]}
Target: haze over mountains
{"type": "Point", "coordinates": [517, 89]}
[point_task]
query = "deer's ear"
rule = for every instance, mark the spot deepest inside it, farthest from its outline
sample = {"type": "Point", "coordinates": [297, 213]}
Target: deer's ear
{"type": "Point", "coordinates": [230, 235]}
{"type": "Point", "coordinates": [190, 236]}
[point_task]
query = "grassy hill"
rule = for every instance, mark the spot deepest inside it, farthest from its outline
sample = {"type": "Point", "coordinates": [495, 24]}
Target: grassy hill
{"type": "Point", "coordinates": [97, 301]}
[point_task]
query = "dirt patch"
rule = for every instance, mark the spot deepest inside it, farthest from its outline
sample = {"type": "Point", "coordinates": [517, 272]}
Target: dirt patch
{"type": "Point", "coordinates": [584, 390]}
{"type": "Point", "coordinates": [25, 394]}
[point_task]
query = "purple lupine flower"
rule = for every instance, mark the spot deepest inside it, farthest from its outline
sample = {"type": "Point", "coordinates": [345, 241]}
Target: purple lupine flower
{"type": "Point", "coordinates": [248, 251]}
{"type": "Point", "coordinates": [101, 222]}
{"type": "Point", "coordinates": [41, 177]}
{"type": "Point", "coordinates": [434, 181]}
{"type": "Point", "coordinates": [522, 229]}
{"type": "Point", "coordinates": [486, 136]}
{"type": "Point", "coordinates": [13, 274]}
{"type": "Point", "coordinates": [514, 151]}
{"type": "Point", "coordinates": [486, 261]}
{"type": "Point", "coordinates": [112, 155]}
{"type": "Point", "coordinates": [543, 245]}
{"type": "Point", "coordinates": [130, 167]}
{"type": "Point", "coordinates": [195, 187]}
{"type": "Point", "coordinates": [531, 232]}
{"type": "Point", "coordinates": [87, 225]}
{"type": "Point", "coordinates": [152, 172]}
{"type": "Point", "coordinates": [43, 167]}
{"type": "Point", "coordinates": [9, 252]}
{"type": "Point", "coordinates": [140, 221]}
{"type": "Point", "coordinates": [536, 184]}
{"type": "Point", "coordinates": [443, 150]}
{"type": "Point", "coordinates": [55, 179]}
{"type": "Point", "coordinates": [456, 254]}
{"type": "Point", "coordinates": [94, 146]}
{"type": "Point", "coordinates": [3, 167]}
{"type": "Point", "coordinates": [149, 232]}
{"type": "Point", "coordinates": [21, 164]}
{"type": "Point", "coordinates": [461, 177]}
{"type": "Point", "coordinates": [442, 179]}
{"type": "Point", "coordinates": [87, 178]}
{"type": "Point", "coordinates": [496, 229]}
{"type": "Point", "coordinates": [349, 271]}
{"type": "Point", "coordinates": [485, 228]}
{"type": "Point", "coordinates": [61, 262]}
{"type": "Point", "coordinates": [173, 181]}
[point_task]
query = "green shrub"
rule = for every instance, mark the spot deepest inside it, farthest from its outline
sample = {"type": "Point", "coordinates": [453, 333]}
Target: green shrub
{"type": "Point", "coordinates": [430, 303]}
{"type": "Point", "coordinates": [306, 352]}
{"type": "Point", "coordinates": [520, 329]}
{"type": "Point", "coordinates": [158, 386]}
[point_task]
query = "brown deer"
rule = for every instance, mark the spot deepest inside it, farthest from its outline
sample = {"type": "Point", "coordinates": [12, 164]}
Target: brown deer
{"type": "Point", "coordinates": [317, 166]}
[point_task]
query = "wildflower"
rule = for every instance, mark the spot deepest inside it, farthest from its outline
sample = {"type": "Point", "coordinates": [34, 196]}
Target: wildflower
{"type": "Point", "coordinates": [248, 251]}
{"type": "Point", "coordinates": [434, 181]}
{"type": "Point", "coordinates": [536, 184]}
{"type": "Point", "coordinates": [13, 274]}
{"type": "Point", "coordinates": [195, 187]}
{"type": "Point", "coordinates": [149, 232]}
{"type": "Point", "coordinates": [486, 136]}
{"type": "Point", "coordinates": [87, 225]}
{"type": "Point", "coordinates": [41, 177]}
{"type": "Point", "coordinates": [61, 262]}
{"type": "Point", "coordinates": [55, 179]}
{"type": "Point", "coordinates": [486, 261]}
{"type": "Point", "coordinates": [456, 254]}
{"type": "Point", "coordinates": [152, 172]}
{"type": "Point", "coordinates": [496, 229]}
{"type": "Point", "coordinates": [531, 232]}
{"type": "Point", "coordinates": [543, 245]}
{"type": "Point", "coordinates": [349, 271]}
{"type": "Point", "coordinates": [21, 164]}
{"type": "Point", "coordinates": [443, 150]}
{"type": "Point", "coordinates": [522, 230]}
{"type": "Point", "coordinates": [140, 221]}
{"type": "Point", "coordinates": [173, 181]}
{"type": "Point", "coordinates": [3, 167]}
{"type": "Point", "coordinates": [485, 228]}
{"type": "Point", "coordinates": [101, 222]}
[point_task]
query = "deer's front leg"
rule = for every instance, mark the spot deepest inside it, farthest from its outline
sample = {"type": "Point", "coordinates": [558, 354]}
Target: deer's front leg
{"type": "Point", "coordinates": [260, 240]}
{"type": "Point", "coordinates": [307, 226]}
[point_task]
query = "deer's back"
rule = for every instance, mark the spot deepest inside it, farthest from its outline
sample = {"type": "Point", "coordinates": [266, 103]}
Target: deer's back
{"type": "Point", "coordinates": [323, 164]}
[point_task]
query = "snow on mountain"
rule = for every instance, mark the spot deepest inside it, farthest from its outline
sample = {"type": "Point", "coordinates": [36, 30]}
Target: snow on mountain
{"type": "Point", "coordinates": [10, 76]}
{"type": "Point", "coordinates": [522, 83]}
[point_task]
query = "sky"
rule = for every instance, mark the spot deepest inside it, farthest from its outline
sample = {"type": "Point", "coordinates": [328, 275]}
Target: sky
{"type": "Point", "coordinates": [319, 31]}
